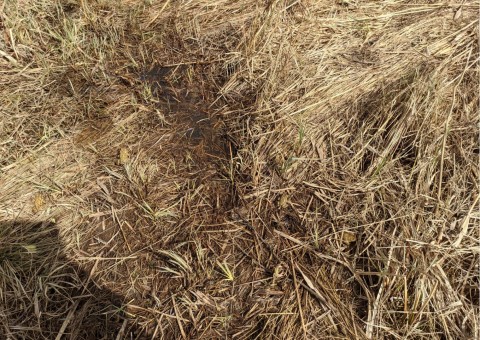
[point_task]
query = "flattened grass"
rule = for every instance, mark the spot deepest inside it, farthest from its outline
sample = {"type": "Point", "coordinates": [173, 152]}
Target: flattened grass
{"type": "Point", "coordinates": [303, 170]}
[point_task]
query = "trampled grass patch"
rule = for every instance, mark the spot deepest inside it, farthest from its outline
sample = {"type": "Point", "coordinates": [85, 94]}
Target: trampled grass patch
{"type": "Point", "coordinates": [239, 169]}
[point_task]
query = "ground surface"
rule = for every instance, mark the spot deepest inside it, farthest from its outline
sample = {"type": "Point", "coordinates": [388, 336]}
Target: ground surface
{"type": "Point", "coordinates": [239, 169]}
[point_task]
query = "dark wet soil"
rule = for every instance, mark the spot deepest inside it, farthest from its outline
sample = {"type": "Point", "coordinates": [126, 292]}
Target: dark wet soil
{"type": "Point", "coordinates": [180, 100]}
{"type": "Point", "coordinates": [187, 97]}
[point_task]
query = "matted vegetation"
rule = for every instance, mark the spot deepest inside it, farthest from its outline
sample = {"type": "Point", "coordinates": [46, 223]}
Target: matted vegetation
{"type": "Point", "coordinates": [239, 169]}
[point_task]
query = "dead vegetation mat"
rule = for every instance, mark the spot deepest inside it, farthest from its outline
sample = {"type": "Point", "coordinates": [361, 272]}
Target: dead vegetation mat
{"type": "Point", "coordinates": [239, 169]}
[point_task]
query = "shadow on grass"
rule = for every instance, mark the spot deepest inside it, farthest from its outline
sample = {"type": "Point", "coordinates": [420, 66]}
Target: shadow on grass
{"type": "Point", "coordinates": [44, 295]}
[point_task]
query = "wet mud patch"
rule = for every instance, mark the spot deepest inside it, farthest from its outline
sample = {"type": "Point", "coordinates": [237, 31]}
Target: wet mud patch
{"type": "Point", "coordinates": [184, 98]}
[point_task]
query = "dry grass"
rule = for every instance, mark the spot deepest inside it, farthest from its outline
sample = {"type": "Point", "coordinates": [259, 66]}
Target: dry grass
{"type": "Point", "coordinates": [239, 170]}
